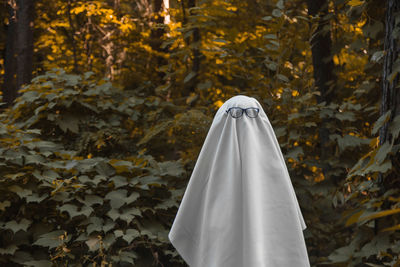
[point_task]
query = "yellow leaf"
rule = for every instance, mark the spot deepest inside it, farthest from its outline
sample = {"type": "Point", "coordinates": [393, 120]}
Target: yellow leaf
{"type": "Point", "coordinates": [355, 2]}
{"type": "Point", "coordinates": [336, 60]}
{"type": "Point", "coordinates": [78, 10]}
{"type": "Point", "coordinates": [392, 228]}
{"type": "Point", "coordinates": [354, 218]}
{"type": "Point", "coordinates": [380, 214]}
{"type": "Point", "coordinates": [218, 103]}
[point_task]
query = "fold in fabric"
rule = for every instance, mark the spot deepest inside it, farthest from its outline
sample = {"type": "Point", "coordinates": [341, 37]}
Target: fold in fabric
{"type": "Point", "coordinates": [239, 208]}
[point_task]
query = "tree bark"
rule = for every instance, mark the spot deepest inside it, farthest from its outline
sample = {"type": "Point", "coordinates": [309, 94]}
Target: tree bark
{"type": "Point", "coordinates": [390, 99]}
{"type": "Point", "coordinates": [24, 44]}
{"type": "Point", "coordinates": [321, 44]}
{"type": "Point", "coordinates": [156, 35]}
{"type": "Point", "coordinates": [157, 32]}
{"type": "Point", "coordinates": [71, 37]}
{"type": "Point", "coordinates": [10, 64]}
{"type": "Point", "coordinates": [190, 86]}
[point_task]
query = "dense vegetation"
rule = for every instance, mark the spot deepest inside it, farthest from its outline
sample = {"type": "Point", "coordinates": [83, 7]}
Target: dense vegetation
{"type": "Point", "coordinates": [97, 147]}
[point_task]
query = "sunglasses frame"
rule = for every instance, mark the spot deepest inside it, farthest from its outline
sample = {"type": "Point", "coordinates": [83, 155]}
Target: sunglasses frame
{"type": "Point", "coordinates": [243, 109]}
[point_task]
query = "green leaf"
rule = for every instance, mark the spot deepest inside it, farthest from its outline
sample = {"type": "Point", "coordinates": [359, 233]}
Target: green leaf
{"type": "Point", "coordinates": [4, 205]}
{"type": "Point", "coordinates": [73, 211]}
{"type": "Point", "coordinates": [119, 181]}
{"type": "Point", "coordinates": [88, 74]}
{"type": "Point", "coordinates": [383, 152]}
{"type": "Point", "coordinates": [35, 159]}
{"type": "Point", "coordinates": [104, 169]}
{"type": "Point", "coordinates": [93, 243]}
{"type": "Point", "coordinates": [117, 198]}
{"type": "Point", "coordinates": [348, 141]}
{"type": "Point", "coordinates": [394, 127]}
{"type": "Point", "coordinates": [310, 124]}
{"type": "Point", "coordinates": [267, 18]}
{"type": "Point", "coordinates": [91, 200]}
{"type": "Point", "coordinates": [128, 214]}
{"type": "Point", "coordinates": [14, 175]}
{"type": "Point", "coordinates": [132, 198]}
{"type": "Point", "coordinates": [113, 214]}
{"type": "Point", "coordinates": [282, 77]}
{"type": "Point", "coordinates": [205, 85]}
{"type": "Point", "coordinates": [395, 71]}
{"type": "Point", "coordinates": [68, 122]}
{"type": "Point", "coordinates": [382, 168]}
{"type": "Point", "coordinates": [166, 204]}
{"type": "Point", "coordinates": [10, 250]}
{"type": "Point", "coordinates": [294, 153]}
{"type": "Point", "coordinates": [280, 4]}
{"type": "Point", "coordinates": [108, 225]}
{"type": "Point", "coordinates": [172, 168]}
{"type": "Point", "coordinates": [51, 240]}
{"type": "Point", "coordinates": [270, 36]}
{"type": "Point", "coordinates": [125, 256]}
{"type": "Point", "coordinates": [345, 116]}
{"type": "Point", "coordinates": [379, 244]}
{"type": "Point", "coordinates": [94, 225]}
{"type": "Point", "coordinates": [35, 198]}
{"type": "Point", "coordinates": [376, 57]}
{"type": "Point", "coordinates": [17, 226]}
{"type": "Point", "coordinates": [381, 121]}
{"type": "Point", "coordinates": [276, 13]}
{"type": "Point", "coordinates": [149, 180]}
{"type": "Point", "coordinates": [189, 76]}
{"type": "Point", "coordinates": [130, 235]}
{"type": "Point", "coordinates": [342, 254]}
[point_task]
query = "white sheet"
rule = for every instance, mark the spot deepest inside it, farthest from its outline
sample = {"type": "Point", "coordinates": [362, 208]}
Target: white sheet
{"type": "Point", "coordinates": [239, 208]}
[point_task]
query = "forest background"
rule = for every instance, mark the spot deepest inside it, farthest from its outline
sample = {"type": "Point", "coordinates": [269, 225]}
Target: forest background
{"type": "Point", "coordinates": [106, 105]}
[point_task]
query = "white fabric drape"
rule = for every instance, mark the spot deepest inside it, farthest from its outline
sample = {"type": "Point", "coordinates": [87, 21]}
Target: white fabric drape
{"type": "Point", "coordinates": [239, 208]}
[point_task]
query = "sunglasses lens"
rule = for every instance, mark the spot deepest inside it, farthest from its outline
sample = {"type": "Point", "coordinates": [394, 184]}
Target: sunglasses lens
{"type": "Point", "coordinates": [236, 112]}
{"type": "Point", "coordinates": [252, 112]}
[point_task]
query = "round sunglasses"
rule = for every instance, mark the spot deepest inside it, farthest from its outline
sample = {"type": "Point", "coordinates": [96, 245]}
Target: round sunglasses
{"type": "Point", "coordinates": [237, 112]}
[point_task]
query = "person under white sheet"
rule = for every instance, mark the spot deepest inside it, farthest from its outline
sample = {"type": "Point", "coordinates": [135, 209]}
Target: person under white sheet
{"type": "Point", "coordinates": [239, 208]}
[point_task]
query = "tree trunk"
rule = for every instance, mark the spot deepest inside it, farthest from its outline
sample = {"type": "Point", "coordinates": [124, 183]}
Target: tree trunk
{"type": "Point", "coordinates": [71, 37]}
{"type": "Point", "coordinates": [10, 63]}
{"type": "Point", "coordinates": [390, 98]}
{"type": "Point", "coordinates": [190, 86]}
{"type": "Point", "coordinates": [24, 44]}
{"type": "Point", "coordinates": [156, 34]}
{"type": "Point", "coordinates": [323, 73]}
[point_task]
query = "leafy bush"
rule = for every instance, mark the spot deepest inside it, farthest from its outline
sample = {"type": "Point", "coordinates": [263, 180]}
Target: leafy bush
{"type": "Point", "coordinates": [77, 185]}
